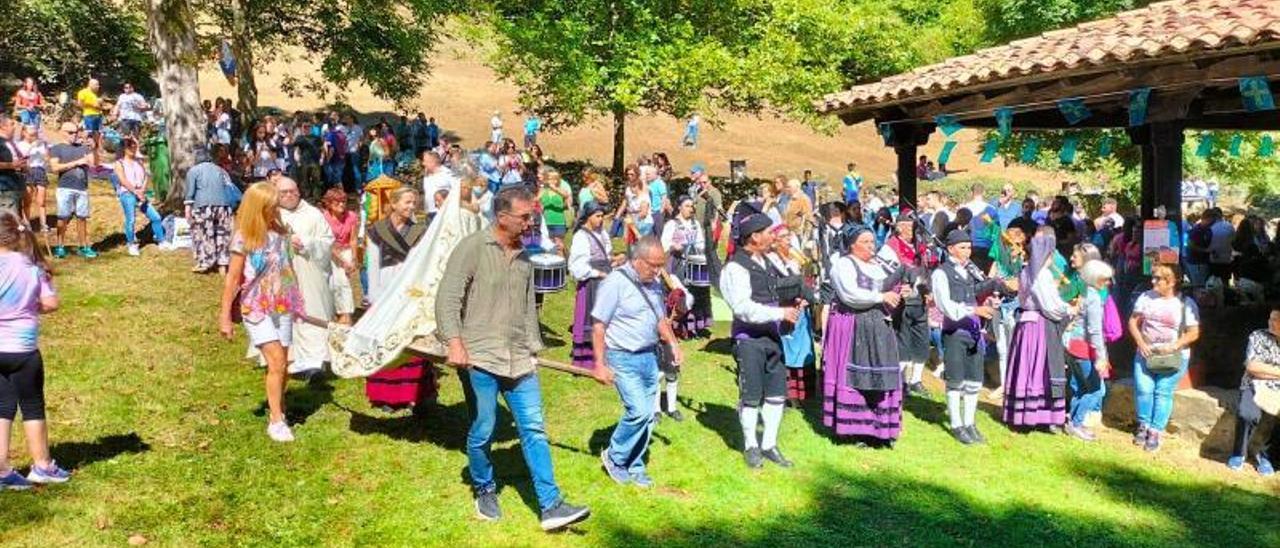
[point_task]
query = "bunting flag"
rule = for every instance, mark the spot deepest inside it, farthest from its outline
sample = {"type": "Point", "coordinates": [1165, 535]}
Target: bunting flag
{"type": "Point", "coordinates": [947, 124]}
{"type": "Point", "coordinates": [1104, 146]}
{"type": "Point", "coordinates": [989, 150]}
{"type": "Point", "coordinates": [1030, 150]}
{"type": "Point", "coordinates": [1138, 100]}
{"type": "Point", "coordinates": [1255, 93]}
{"type": "Point", "coordinates": [1068, 153]}
{"type": "Point", "coordinates": [1073, 110]}
{"type": "Point", "coordinates": [1004, 122]}
{"type": "Point", "coordinates": [945, 155]}
{"type": "Point", "coordinates": [1236, 140]}
{"type": "Point", "coordinates": [1206, 145]}
{"type": "Point", "coordinates": [1267, 148]}
{"type": "Point", "coordinates": [886, 133]}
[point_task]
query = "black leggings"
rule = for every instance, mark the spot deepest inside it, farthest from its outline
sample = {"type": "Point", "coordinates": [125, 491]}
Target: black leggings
{"type": "Point", "coordinates": [22, 385]}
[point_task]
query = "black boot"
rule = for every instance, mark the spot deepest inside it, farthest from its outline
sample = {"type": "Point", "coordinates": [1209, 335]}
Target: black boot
{"type": "Point", "coordinates": [774, 455]}
{"type": "Point", "coordinates": [961, 435]}
{"type": "Point", "coordinates": [975, 435]}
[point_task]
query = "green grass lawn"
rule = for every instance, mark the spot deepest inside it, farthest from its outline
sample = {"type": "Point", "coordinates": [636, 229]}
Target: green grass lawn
{"type": "Point", "coordinates": [163, 423]}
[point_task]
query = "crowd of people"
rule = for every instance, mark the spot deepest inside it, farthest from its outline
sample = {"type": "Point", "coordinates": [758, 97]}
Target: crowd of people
{"type": "Point", "coordinates": [869, 287]}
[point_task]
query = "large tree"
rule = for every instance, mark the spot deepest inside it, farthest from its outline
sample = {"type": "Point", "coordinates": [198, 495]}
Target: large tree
{"type": "Point", "coordinates": [171, 29]}
{"type": "Point", "coordinates": [576, 59]}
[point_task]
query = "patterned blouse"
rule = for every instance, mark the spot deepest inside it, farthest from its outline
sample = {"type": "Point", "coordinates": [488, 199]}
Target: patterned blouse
{"type": "Point", "coordinates": [1264, 348]}
{"type": "Point", "coordinates": [270, 287]}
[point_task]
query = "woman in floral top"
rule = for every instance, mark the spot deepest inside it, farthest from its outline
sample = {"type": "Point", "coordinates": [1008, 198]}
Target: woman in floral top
{"type": "Point", "coordinates": [1259, 394]}
{"type": "Point", "coordinates": [261, 272]}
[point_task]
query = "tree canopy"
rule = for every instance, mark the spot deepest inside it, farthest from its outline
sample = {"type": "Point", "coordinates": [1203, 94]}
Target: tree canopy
{"type": "Point", "coordinates": [63, 42]}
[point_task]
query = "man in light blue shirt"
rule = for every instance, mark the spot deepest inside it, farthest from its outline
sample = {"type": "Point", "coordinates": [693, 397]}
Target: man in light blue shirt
{"type": "Point", "coordinates": [1007, 207]}
{"type": "Point", "coordinates": [532, 125]}
{"type": "Point", "coordinates": [629, 324]}
{"type": "Point", "coordinates": [659, 201]}
{"type": "Point", "coordinates": [489, 166]}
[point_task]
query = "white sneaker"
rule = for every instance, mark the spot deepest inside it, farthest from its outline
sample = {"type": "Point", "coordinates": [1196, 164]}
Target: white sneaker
{"type": "Point", "coordinates": [133, 250]}
{"type": "Point", "coordinates": [279, 431]}
{"type": "Point", "coordinates": [165, 246]}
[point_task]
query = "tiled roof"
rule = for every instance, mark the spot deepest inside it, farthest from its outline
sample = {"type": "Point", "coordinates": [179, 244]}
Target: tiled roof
{"type": "Point", "coordinates": [1175, 27]}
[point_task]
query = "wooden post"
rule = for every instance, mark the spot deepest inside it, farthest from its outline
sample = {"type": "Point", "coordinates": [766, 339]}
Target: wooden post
{"type": "Point", "coordinates": [906, 140]}
{"type": "Point", "coordinates": [1161, 144]}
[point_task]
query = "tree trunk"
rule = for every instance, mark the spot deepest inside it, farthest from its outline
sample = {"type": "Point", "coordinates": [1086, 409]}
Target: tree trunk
{"type": "Point", "coordinates": [619, 141]}
{"type": "Point", "coordinates": [246, 88]}
{"type": "Point", "coordinates": [171, 31]}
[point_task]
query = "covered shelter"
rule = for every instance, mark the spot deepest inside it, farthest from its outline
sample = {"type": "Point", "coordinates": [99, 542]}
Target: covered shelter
{"type": "Point", "coordinates": [1191, 54]}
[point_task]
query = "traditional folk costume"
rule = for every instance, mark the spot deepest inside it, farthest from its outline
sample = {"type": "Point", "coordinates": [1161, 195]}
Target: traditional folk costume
{"type": "Point", "coordinates": [797, 345]}
{"type": "Point", "coordinates": [313, 265]}
{"type": "Point", "coordinates": [1007, 261]}
{"type": "Point", "coordinates": [911, 319]}
{"type": "Point", "coordinates": [590, 260]}
{"type": "Point", "coordinates": [413, 383]}
{"type": "Point", "coordinates": [956, 287]}
{"type": "Point", "coordinates": [1036, 382]}
{"type": "Point", "coordinates": [682, 239]}
{"type": "Point", "coordinates": [750, 288]}
{"type": "Point", "coordinates": [861, 381]}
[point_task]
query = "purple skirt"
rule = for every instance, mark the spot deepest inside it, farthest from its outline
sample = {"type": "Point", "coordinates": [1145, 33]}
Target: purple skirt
{"type": "Point", "coordinates": [582, 353]}
{"type": "Point", "coordinates": [1029, 389]}
{"type": "Point", "coordinates": [846, 410]}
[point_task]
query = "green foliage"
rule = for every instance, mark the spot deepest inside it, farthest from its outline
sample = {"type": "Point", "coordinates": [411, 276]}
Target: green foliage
{"type": "Point", "coordinates": [1012, 19]}
{"type": "Point", "coordinates": [1259, 176]}
{"type": "Point", "coordinates": [63, 42]}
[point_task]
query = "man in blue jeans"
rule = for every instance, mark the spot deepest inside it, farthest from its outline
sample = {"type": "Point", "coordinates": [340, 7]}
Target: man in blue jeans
{"type": "Point", "coordinates": [629, 325]}
{"type": "Point", "coordinates": [488, 319]}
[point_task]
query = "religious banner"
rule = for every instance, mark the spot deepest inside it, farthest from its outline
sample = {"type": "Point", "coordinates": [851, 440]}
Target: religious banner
{"type": "Point", "coordinates": [1068, 153]}
{"type": "Point", "coordinates": [1104, 146]}
{"type": "Point", "coordinates": [1073, 110]}
{"type": "Point", "coordinates": [1030, 150]}
{"type": "Point", "coordinates": [945, 155]}
{"type": "Point", "coordinates": [886, 133]}
{"type": "Point", "coordinates": [989, 150]}
{"type": "Point", "coordinates": [1004, 121]}
{"type": "Point", "coordinates": [1236, 141]}
{"type": "Point", "coordinates": [947, 124]}
{"type": "Point", "coordinates": [1267, 148]}
{"type": "Point", "coordinates": [1158, 243]}
{"type": "Point", "coordinates": [1205, 148]}
{"type": "Point", "coordinates": [1255, 93]}
{"type": "Point", "coordinates": [1138, 100]}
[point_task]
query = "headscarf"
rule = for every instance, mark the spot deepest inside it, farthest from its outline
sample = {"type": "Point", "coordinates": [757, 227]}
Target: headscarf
{"type": "Point", "coordinates": [591, 208]}
{"type": "Point", "coordinates": [1042, 249]}
{"type": "Point", "coordinates": [850, 233]}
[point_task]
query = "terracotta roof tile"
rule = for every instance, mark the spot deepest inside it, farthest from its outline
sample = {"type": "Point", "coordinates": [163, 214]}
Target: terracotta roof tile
{"type": "Point", "coordinates": [1169, 27]}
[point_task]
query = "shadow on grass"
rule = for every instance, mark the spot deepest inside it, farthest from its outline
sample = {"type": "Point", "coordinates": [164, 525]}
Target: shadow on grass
{"type": "Point", "coordinates": [722, 346]}
{"type": "Point", "coordinates": [302, 399]}
{"type": "Point", "coordinates": [74, 455]}
{"type": "Point", "coordinates": [551, 337]}
{"type": "Point", "coordinates": [889, 510]}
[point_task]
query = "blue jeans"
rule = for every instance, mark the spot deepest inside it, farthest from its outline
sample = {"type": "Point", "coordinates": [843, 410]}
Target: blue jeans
{"type": "Point", "coordinates": [1087, 390]}
{"type": "Point", "coordinates": [635, 375]}
{"type": "Point", "coordinates": [129, 203]}
{"type": "Point", "coordinates": [1153, 393]}
{"type": "Point", "coordinates": [524, 399]}
{"type": "Point", "coordinates": [935, 335]}
{"type": "Point", "coordinates": [333, 174]}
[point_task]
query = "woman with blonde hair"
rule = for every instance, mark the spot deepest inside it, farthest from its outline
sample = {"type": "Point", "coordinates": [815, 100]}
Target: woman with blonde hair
{"type": "Point", "coordinates": [261, 287]}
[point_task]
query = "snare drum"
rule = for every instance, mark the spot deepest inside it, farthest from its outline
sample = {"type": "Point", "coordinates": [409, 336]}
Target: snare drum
{"type": "Point", "coordinates": [549, 272]}
{"type": "Point", "coordinates": [695, 271]}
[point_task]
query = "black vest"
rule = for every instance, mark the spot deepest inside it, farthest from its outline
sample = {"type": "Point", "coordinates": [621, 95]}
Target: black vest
{"type": "Point", "coordinates": [963, 289]}
{"type": "Point", "coordinates": [764, 281]}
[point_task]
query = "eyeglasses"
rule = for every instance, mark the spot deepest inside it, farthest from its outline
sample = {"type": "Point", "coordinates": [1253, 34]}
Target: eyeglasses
{"type": "Point", "coordinates": [526, 217]}
{"type": "Point", "coordinates": [290, 191]}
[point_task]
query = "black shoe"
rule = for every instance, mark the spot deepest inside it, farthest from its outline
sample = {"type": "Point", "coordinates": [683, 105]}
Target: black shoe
{"type": "Point", "coordinates": [775, 456]}
{"type": "Point", "coordinates": [754, 457]}
{"type": "Point", "coordinates": [563, 515]}
{"type": "Point", "coordinates": [676, 415]}
{"type": "Point", "coordinates": [975, 435]}
{"type": "Point", "coordinates": [487, 506]}
{"type": "Point", "coordinates": [962, 435]}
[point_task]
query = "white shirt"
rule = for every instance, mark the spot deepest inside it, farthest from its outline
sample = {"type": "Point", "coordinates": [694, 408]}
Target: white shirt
{"type": "Point", "coordinates": [735, 286]}
{"type": "Point", "coordinates": [1044, 294]}
{"type": "Point", "coordinates": [442, 179]}
{"type": "Point", "coordinates": [686, 233]}
{"type": "Point", "coordinates": [952, 310]}
{"type": "Point", "coordinates": [1117, 220]}
{"type": "Point", "coordinates": [1220, 243]}
{"type": "Point", "coordinates": [581, 249]}
{"type": "Point", "coordinates": [131, 105]}
{"type": "Point", "coordinates": [36, 153]}
{"type": "Point", "coordinates": [844, 278]}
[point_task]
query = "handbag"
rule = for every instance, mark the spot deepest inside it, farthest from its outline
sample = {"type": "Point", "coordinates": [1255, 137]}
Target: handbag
{"type": "Point", "coordinates": [1171, 362]}
{"type": "Point", "coordinates": [665, 356]}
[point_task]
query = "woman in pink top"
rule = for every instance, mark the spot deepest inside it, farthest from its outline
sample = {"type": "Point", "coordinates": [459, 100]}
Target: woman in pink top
{"type": "Point", "coordinates": [28, 102]}
{"type": "Point", "coordinates": [131, 180]}
{"type": "Point", "coordinates": [25, 293]}
{"type": "Point", "coordinates": [343, 223]}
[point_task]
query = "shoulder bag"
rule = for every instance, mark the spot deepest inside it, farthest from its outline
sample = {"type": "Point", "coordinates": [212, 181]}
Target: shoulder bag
{"type": "Point", "coordinates": [1172, 362]}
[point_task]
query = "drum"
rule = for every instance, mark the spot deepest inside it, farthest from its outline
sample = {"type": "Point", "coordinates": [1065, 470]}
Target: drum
{"type": "Point", "coordinates": [549, 272]}
{"type": "Point", "coordinates": [695, 271]}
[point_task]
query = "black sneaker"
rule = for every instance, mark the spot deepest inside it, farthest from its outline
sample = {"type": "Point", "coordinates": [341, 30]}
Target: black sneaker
{"type": "Point", "coordinates": [487, 507]}
{"type": "Point", "coordinates": [1140, 436]}
{"type": "Point", "coordinates": [563, 515]}
{"type": "Point", "coordinates": [775, 456]}
{"type": "Point", "coordinates": [676, 415]}
{"type": "Point", "coordinates": [754, 457]}
{"type": "Point", "coordinates": [961, 435]}
{"type": "Point", "coordinates": [974, 434]}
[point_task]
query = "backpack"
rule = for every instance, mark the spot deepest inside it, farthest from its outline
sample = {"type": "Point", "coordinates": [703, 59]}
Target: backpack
{"type": "Point", "coordinates": [1112, 327]}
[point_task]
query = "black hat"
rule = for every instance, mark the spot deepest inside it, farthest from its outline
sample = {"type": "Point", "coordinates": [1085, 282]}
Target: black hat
{"type": "Point", "coordinates": [591, 208]}
{"type": "Point", "coordinates": [958, 236]}
{"type": "Point", "coordinates": [753, 223]}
